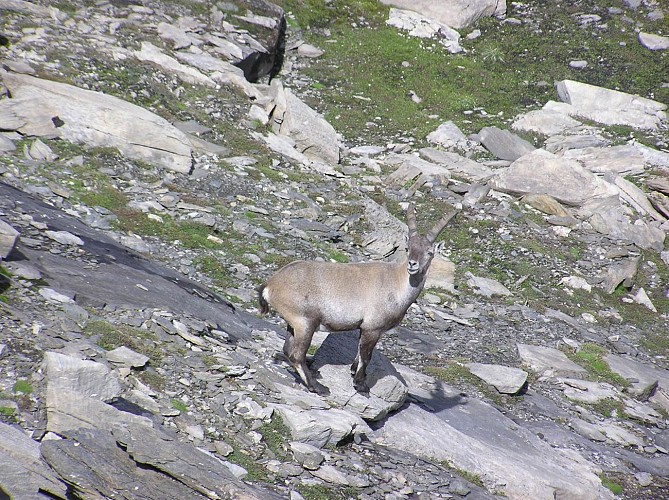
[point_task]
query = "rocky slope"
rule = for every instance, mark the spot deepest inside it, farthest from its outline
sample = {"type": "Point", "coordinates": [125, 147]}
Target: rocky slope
{"type": "Point", "coordinates": [147, 187]}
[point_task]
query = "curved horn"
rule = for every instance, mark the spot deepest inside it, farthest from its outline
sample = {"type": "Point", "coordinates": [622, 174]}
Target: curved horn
{"type": "Point", "coordinates": [411, 218]}
{"type": "Point", "coordinates": [439, 226]}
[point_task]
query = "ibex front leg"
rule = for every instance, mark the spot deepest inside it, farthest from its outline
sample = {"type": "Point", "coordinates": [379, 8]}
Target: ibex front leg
{"type": "Point", "coordinates": [368, 339]}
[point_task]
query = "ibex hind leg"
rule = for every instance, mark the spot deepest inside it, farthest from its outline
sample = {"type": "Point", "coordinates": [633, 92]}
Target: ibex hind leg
{"type": "Point", "coordinates": [368, 339]}
{"type": "Point", "coordinates": [296, 347]}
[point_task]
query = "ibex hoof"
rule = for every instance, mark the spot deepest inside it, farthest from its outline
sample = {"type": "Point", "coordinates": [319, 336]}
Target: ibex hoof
{"type": "Point", "coordinates": [362, 388]}
{"type": "Point", "coordinates": [319, 389]}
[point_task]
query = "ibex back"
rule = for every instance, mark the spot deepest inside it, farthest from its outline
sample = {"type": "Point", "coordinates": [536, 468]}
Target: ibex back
{"type": "Point", "coordinates": [371, 296]}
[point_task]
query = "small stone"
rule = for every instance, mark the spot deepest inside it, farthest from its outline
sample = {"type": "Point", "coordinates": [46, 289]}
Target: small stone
{"type": "Point", "coordinates": [64, 237]}
{"type": "Point", "coordinates": [644, 478]}
{"type": "Point", "coordinates": [125, 356]}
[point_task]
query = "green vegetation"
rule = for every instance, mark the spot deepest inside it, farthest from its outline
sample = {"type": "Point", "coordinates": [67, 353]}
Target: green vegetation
{"type": "Point", "coordinates": [109, 336]}
{"type": "Point", "coordinates": [509, 68]}
{"type": "Point", "coordinates": [177, 404]}
{"type": "Point", "coordinates": [327, 492]}
{"type": "Point", "coordinates": [615, 488]}
{"type": "Point", "coordinates": [590, 356]}
{"type": "Point", "coordinates": [276, 434]}
{"type": "Point", "coordinates": [6, 411]}
{"type": "Point", "coordinates": [23, 387]}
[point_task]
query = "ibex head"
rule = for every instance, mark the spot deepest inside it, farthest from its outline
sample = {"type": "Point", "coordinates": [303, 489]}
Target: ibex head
{"type": "Point", "coordinates": [421, 249]}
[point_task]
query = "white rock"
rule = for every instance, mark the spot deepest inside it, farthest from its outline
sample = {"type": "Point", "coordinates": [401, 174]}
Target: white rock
{"type": "Point", "coordinates": [654, 42]}
{"type": "Point", "coordinates": [64, 237]}
{"type": "Point", "coordinates": [505, 379]}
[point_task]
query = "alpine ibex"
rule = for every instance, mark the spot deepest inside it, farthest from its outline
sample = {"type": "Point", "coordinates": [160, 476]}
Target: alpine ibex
{"type": "Point", "coordinates": [370, 296]}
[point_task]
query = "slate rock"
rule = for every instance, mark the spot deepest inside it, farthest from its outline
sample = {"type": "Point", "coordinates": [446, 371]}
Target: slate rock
{"type": "Point", "coordinates": [458, 165]}
{"type": "Point", "coordinates": [504, 144]}
{"type": "Point", "coordinates": [320, 428]}
{"type": "Point", "coordinates": [124, 356]}
{"type": "Point", "coordinates": [24, 473]}
{"type": "Point", "coordinates": [92, 118]}
{"type": "Point", "coordinates": [622, 160]}
{"type": "Point", "coordinates": [486, 286]}
{"type": "Point", "coordinates": [333, 359]}
{"type": "Point", "coordinates": [8, 239]}
{"type": "Point", "coordinates": [611, 107]}
{"type": "Point", "coordinates": [644, 378]}
{"type": "Point", "coordinates": [547, 361]}
{"type": "Point", "coordinates": [654, 42]}
{"type": "Point", "coordinates": [457, 14]}
{"type": "Point", "coordinates": [505, 379]}
{"type": "Point", "coordinates": [541, 172]}
{"type": "Point", "coordinates": [475, 437]}
{"type": "Point", "coordinates": [449, 136]}
{"type": "Point", "coordinates": [586, 391]}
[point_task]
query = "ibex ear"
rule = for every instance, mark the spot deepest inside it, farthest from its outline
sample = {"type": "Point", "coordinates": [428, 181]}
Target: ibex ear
{"type": "Point", "coordinates": [439, 247]}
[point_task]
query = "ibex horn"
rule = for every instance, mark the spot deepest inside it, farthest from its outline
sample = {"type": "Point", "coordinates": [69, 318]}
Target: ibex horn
{"type": "Point", "coordinates": [411, 218]}
{"type": "Point", "coordinates": [439, 226]}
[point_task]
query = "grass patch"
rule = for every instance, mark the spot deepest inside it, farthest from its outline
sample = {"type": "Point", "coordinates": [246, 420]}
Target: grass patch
{"type": "Point", "coordinates": [177, 404]}
{"type": "Point", "coordinates": [327, 492]}
{"type": "Point", "coordinates": [505, 71]}
{"type": "Point", "coordinates": [590, 356]}
{"type": "Point", "coordinates": [23, 387]}
{"type": "Point", "coordinates": [615, 488]}
{"type": "Point", "coordinates": [109, 336]}
{"type": "Point", "coordinates": [276, 434]}
{"type": "Point", "coordinates": [6, 411]}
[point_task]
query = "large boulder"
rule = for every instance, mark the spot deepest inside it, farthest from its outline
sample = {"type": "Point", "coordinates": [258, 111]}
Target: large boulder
{"type": "Point", "coordinates": [45, 108]}
{"type": "Point", "coordinates": [611, 107]}
{"type": "Point", "coordinates": [469, 434]}
{"type": "Point", "coordinates": [454, 13]}
{"type": "Point", "coordinates": [541, 172]}
{"type": "Point", "coordinates": [333, 359]}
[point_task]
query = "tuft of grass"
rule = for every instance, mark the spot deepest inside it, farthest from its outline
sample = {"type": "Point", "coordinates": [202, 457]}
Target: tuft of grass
{"type": "Point", "coordinates": [109, 336]}
{"type": "Point", "coordinates": [177, 404]}
{"type": "Point", "coordinates": [276, 434]}
{"type": "Point", "coordinates": [590, 356]}
{"type": "Point", "coordinates": [23, 387]}
{"type": "Point", "coordinates": [615, 488]}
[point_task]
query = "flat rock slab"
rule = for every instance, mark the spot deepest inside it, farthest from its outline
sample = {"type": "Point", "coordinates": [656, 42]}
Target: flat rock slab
{"type": "Point", "coordinates": [24, 473]}
{"type": "Point", "coordinates": [8, 238]}
{"type": "Point", "coordinates": [644, 378]}
{"type": "Point", "coordinates": [333, 360]}
{"type": "Point", "coordinates": [547, 361]}
{"type": "Point", "coordinates": [541, 172]}
{"type": "Point", "coordinates": [611, 107]}
{"type": "Point", "coordinates": [51, 109]}
{"type": "Point", "coordinates": [622, 160]}
{"type": "Point", "coordinates": [505, 379]}
{"type": "Point", "coordinates": [456, 14]}
{"type": "Point", "coordinates": [98, 463]}
{"type": "Point", "coordinates": [475, 437]}
{"type": "Point", "coordinates": [458, 165]}
{"type": "Point", "coordinates": [503, 144]}
{"type": "Point", "coordinates": [586, 391]}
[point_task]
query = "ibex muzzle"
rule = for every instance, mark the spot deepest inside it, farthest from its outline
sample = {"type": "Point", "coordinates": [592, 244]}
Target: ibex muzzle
{"type": "Point", "coordinates": [370, 296]}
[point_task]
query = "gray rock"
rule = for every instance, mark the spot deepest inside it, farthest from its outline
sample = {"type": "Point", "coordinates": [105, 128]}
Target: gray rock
{"type": "Point", "coordinates": [486, 286]}
{"type": "Point", "coordinates": [505, 379]}
{"type": "Point", "coordinates": [150, 53]}
{"type": "Point", "coordinates": [92, 118]}
{"type": "Point", "coordinates": [459, 165]}
{"type": "Point", "coordinates": [24, 473]}
{"type": "Point", "coordinates": [611, 107]}
{"type": "Point", "coordinates": [40, 151]}
{"type": "Point", "coordinates": [313, 135]}
{"type": "Point", "coordinates": [548, 121]}
{"type": "Point", "coordinates": [621, 272]}
{"type": "Point", "coordinates": [333, 360]}
{"type": "Point", "coordinates": [541, 172]}
{"type": "Point", "coordinates": [310, 457]}
{"type": "Point", "coordinates": [321, 427]}
{"type": "Point", "coordinates": [449, 136]}
{"type": "Point", "coordinates": [547, 361]}
{"type": "Point", "coordinates": [504, 144]}
{"type": "Point", "coordinates": [124, 356]}
{"type": "Point", "coordinates": [423, 27]}
{"type": "Point", "coordinates": [6, 144]}
{"type": "Point", "coordinates": [644, 378]}
{"type": "Point", "coordinates": [457, 14]}
{"type": "Point", "coordinates": [653, 42]}
{"type": "Point", "coordinates": [475, 437]}
{"type": "Point", "coordinates": [64, 237]}
{"type": "Point", "coordinates": [8, 239]}
{"type": "Point", "coordinates": [622, 160]}
{"type": "Point", "coordinates": [586, 391]}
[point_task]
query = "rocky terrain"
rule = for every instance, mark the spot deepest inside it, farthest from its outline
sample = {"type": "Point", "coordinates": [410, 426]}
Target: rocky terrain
{"type": "Point", "coordinates": [160, 160]}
